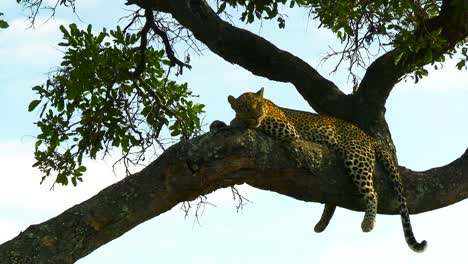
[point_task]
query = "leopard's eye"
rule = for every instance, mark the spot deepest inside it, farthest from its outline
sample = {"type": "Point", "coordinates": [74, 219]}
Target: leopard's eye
{"type": "Point", "coordinates": [254, 105]}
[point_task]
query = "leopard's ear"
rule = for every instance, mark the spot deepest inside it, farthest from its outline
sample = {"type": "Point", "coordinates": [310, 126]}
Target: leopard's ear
{"type": "Point", "coordinates": [260, 92]}
{"type": "Point", "coordinates": [231, 99]}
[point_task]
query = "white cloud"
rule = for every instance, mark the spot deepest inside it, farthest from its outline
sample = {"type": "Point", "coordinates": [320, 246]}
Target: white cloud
{"type": "Point", "coordinates": [20, 44]}
{"type": "Point", "coordinates": [9, 228]}
{"type": "Point", "coordinates": [446, 79]}
{"type": "Point", "coordinates": [23, 201]}
{"type": "Point", "coordinates": [16, 161]}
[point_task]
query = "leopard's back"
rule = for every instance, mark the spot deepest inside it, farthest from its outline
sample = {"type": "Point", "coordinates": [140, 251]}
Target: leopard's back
{"type": "Point", "coordinates": [323, 129]}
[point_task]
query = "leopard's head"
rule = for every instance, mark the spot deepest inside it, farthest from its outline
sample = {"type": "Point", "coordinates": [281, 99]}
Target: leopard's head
{"type": "Point", "coordinates": [250, 109]}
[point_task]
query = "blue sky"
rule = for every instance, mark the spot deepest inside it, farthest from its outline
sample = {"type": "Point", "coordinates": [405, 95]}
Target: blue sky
{"type": "Point", "coordinates": [427, 120]}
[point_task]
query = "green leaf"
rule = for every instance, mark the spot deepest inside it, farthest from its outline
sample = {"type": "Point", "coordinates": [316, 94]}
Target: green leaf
{"type": "Point", "coordinates": [74, 181]}
{"type": "Point", "coordinates": [340, 36]}
{"type": "Point", "coordinates": [60, 106]}
{"type": "Point", "coordinates": [250, 18]}
{"type": "Point", "coordinates": [38, 88]}
{"type": "Point", "coordinates": [101, 36]}
{"type": "Point", "coordinates": [398, 58]}
{"type": "Point", "coordinates": [424, 72]}
{"type": "Point", "coordinates": [221, 8]}
{"type": "Point", "coordinates": [64, 30]}
{"type": "Point", "coordinates": [62, 179]}
{"type": "Point", "coordinates": [460, 64]}
{"type": "Point", "coordinates": [427, 56]}
{"type": "Point", "coordinates": [348, 30]}
{"type": "Point", "coordinates": [81, 169]}
{"type": "Point", "coordinates": [3, 24]}
{"type": "Point", "coordinates": [33, 105]}
{"type": "Point", "coordinates": [281, 22]}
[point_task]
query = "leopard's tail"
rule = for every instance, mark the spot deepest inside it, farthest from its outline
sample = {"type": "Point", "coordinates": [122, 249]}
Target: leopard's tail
{"type": "Point", "coordinates": [408, 231]}
{"type": "Point", "coordinates": [391, 167]}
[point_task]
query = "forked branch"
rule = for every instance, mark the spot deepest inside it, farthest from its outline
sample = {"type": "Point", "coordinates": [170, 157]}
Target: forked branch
{"type": "Point", "coordinates": [382, 75]}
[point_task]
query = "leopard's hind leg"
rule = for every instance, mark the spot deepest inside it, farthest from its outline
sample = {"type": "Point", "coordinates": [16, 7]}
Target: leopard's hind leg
{"type": "Point", "coordinates": [359, 164]}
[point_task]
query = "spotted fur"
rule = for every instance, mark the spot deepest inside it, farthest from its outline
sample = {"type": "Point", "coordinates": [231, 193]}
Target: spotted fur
{"type": "Point", "coordinates": [358, 150]}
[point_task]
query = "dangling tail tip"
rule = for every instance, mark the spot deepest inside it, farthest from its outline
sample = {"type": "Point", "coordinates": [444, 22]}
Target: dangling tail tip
{"type": "Point", "coordinates": [420, 247]}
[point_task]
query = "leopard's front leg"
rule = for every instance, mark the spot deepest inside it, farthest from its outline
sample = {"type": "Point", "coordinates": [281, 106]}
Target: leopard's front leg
{"type": "Point", "coordinates": [327, 214]}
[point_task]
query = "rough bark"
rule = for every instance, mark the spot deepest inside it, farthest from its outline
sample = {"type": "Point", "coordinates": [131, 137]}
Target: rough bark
{"type": "Point", "coordinates": [302, 170]}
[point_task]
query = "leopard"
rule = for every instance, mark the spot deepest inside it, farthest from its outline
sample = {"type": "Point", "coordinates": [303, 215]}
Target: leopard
{"type": "Point", "coordinates": [358, 150]}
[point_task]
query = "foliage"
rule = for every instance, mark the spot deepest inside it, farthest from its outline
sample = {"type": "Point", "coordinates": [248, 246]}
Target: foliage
{"type": "Point", "coordinates": [95, 102]}
{"type": "Point", "coordinates": [342, 16]}
{"type": "Point", "coordinates": [360, 24]}
{"type": "Point", "coordinates": [267, 9]}
{"type": "Point", "coordinates": [463, 63]}
{"type": "Point", "coordinates": [3, 23]}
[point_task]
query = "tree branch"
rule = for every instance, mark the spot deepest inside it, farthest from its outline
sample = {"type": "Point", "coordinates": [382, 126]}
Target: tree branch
{"type": "Point", "coordinates": [150, 24]}
{"type": "Point", "coordinates": [252, 52]}
{"type": "Point", "coordinates": [303, 170]}
{"type": "Point", "coordinates": [169, 51]}
{"type": "Point", "coordinates": [382, 75]}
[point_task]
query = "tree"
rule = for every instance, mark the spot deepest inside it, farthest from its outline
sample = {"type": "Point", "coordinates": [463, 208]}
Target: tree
{"type": "Point", "coordinates": [420, 33]}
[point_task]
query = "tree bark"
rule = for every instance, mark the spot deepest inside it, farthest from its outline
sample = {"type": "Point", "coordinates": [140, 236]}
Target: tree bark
{"type": "Point", "coordinates": [226, 157]}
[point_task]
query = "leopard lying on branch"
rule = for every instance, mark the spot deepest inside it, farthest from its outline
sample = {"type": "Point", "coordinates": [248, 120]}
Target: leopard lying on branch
{"type": "Point", "coordinates": [358, 150]}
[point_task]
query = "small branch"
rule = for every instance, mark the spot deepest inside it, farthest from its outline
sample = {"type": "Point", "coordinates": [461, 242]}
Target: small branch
{"type": "Point", "coordinates": [135, 17]}
{"type": "Point", "coordinates": [150, 24]}
{"type": "Point", "coordinates": [241, 200]}
{"type": "Point", "coordinates": [169, 50]}
{"type": "Point", "coordinates": [36, 5]}
{"type": "Point", "coordinates": [143, 43]}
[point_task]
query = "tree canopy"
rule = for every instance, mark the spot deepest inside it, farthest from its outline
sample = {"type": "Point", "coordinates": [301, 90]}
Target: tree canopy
{"type": "Point", "coordinates": [125, 75]}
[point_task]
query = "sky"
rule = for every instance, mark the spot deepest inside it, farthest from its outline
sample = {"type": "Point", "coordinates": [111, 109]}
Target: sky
{"type": "Point", "coordinates": [427, 120]}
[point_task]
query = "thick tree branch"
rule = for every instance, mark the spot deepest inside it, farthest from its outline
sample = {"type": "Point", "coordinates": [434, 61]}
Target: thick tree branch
{"type": "Point", "coordinates": [383, 74]}
{"type": "Point", "coordinates": [252, 52]}
{"type": "Point", "coordinates": [302, 170]}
